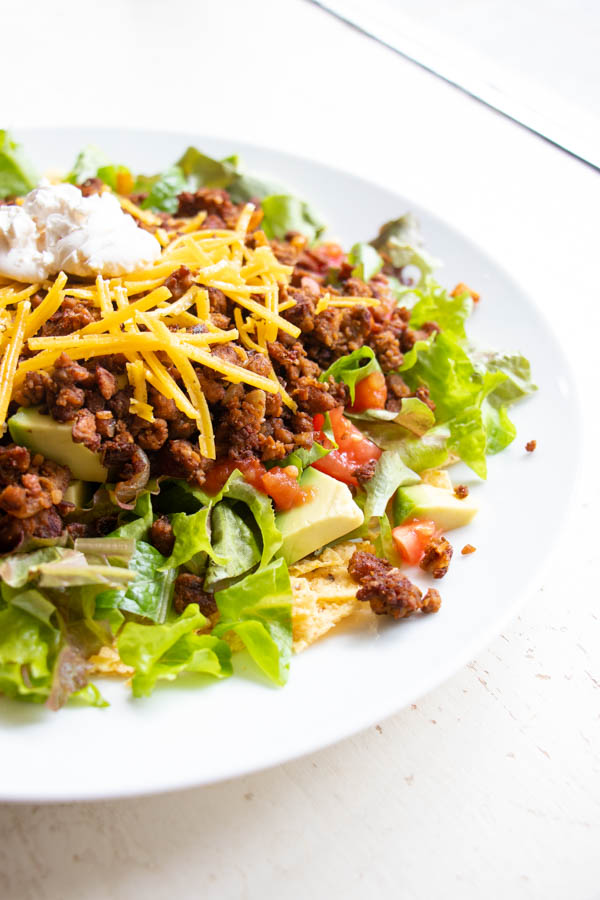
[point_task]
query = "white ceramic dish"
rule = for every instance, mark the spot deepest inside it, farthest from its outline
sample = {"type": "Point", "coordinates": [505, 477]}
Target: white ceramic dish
{"type": "Point", "coordinates": [187, 734]}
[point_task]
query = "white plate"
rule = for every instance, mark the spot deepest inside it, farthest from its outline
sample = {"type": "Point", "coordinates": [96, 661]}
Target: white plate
{"type": "Point", "coordinates": [185, 735]}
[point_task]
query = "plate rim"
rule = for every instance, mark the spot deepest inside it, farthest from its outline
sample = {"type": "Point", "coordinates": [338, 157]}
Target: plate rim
{"type": "Point", "coordinates": [450, 664]}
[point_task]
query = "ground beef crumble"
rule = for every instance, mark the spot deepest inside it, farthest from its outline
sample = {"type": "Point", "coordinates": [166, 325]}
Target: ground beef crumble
{"type": "Point", "coordinates": [31, 489]}
{"type": "Point", "coordinates": [93, 396]}
{"type": "Point", "coordinates": [189, 589]}
{"type": "Point", "coordinates": [437, 556]}
{"type": "Point", "coordinates": [387, 590]}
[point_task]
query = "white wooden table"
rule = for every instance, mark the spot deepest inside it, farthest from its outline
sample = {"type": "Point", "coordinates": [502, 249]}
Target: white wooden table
{"type": "Point", "coordinates": [490, 785]}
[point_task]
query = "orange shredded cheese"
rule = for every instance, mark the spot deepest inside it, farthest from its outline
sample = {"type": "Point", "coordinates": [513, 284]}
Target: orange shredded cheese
{"type": "Point", "coordinates": [11, 358]}
{"type": "Point", "coordinates": [140, 319]}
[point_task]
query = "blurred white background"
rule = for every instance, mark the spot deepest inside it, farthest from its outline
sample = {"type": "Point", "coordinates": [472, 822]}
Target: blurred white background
{"type": "Point", "coordinates": [535, 60]}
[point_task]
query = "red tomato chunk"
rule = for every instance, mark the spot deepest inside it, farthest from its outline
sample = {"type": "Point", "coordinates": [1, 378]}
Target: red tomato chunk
{"type": "Point", "coordinates": [353, 450]}
{"type": "Point", "coordinates": [370, 393]}
{"type": "Point", "coordinates": [411, 539]}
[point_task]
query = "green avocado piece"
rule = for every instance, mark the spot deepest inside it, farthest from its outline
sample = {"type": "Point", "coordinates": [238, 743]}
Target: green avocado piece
{"type": "Point", "coordinates": [78, 493]}
{"type": "Point", "coordinates": [424, 501]}
{"type": "Point", "coordinates": [328, 514]}
{"type": "Point", "coordinates": [41, 434]}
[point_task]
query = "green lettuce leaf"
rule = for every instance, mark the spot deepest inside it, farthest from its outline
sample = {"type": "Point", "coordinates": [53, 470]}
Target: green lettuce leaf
{"type": "Point", "coordinates": [400, 243]}
{"type": "Point", "coordinates": [27, 646]}
{"type": "Point", "coordinates": [458, 390]}
{"type": "Point", "coordinates": [390, 474]}
{"type": "Point", "coordinates": [138, 527]}
{"type": "Point", "coordinates": [164, 190]}
{"type": "Point", "coordinates": [434, 304]}
{"type": "Point", "coordinates": [284, 213]}
{"type": "Point", "coordinates": [259, 610]}
{"type": "Point", "coordinates": [499, 429]}
{"type": "Point", "coordinates": [237, 488]}
{"type": "Point", "coordinates": [411, 358]}
{"type": "Point", "coordinates": [30, 601]}
{"type": "Point", "coordinates": [162, 652]}
{"type": "Point", "coordinates": [352, 368]}
{"type": "Point", "coordinates": [192, 537]}
{"type": "Point", "coordinates": [366, 261]}
{"type": "Point", "coordinates": [17, 175]}
{"type": "Point", "coordinates": [150, 594]}
{"type": "Point", "coordinates": [19, 568]}
{"type": "Point", "coordinates": [516, 368]}
{"type": "Point", "coordinates": [110, 174]}
{"type": "Point", "coordinates": [385, 547]}
{"type": "Point", "coordinates": [414, 416]}
{"type": "Point", "coordinates": [426, 452]}
{"type": "Point", "coordinates": [302, 458]}
{"type": "Point", "coordinates": [92, 162]}
{"type": "Point", "coordinates": [250, 187]}
{"type": "Point", "coordinates": [206, 171]}
{"type": "Point", "coordinates": [87, 163]}
{"type": "Point", "coordinates": [234, 541]}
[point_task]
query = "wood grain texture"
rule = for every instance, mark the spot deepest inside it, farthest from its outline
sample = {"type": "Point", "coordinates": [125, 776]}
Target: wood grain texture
{"type": "Point", "coordinates": [490, 785]}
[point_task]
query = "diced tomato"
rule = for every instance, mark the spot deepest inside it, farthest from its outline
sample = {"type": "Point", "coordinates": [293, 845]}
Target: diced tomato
{"type": "Point", "coordinates": [252, 470]}
{"type": "Point", "coordinates": [412, 538]}
{"type": "Point", "coordinates": [331, 253]}
{"type": "Point", "coordinates": [370, 393]}
{"type": "Point", "coordinates": [353, 450]}
{"type": "Point", "coordinates": [283, 487]}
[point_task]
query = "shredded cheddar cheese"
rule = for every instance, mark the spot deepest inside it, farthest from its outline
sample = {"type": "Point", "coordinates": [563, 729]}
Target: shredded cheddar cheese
{"type": "Point", "coordinates": [328, 301]}
{"type": "Point", "coordinates": [137, 316]}
{"type": "Point", "coordinates": [11, 358]}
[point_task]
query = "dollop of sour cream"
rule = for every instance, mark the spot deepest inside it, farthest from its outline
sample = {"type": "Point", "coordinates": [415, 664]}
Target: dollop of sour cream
{"type": "Point", "coordinates": [58, 229]}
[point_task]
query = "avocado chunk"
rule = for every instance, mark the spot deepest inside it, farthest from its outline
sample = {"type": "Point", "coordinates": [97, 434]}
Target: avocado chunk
{"type": "Point", "coordinates": [41, 434]}
{"type": "Point", "coordinates": [424, 501]}
{"type": "Point", "coordinates": [328, 514]}
{"type": "Point", "coordinates": [78, 493]}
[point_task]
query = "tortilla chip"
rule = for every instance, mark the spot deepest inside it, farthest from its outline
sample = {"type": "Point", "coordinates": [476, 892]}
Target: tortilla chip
{"type": "Point", "coordinates": [108, 662]}
{"type": "Point", "coordinates": [323, 593]}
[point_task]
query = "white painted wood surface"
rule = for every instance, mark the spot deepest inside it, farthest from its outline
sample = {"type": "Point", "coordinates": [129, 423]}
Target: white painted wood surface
{"type": "Point", "coordinates": [490, 785]}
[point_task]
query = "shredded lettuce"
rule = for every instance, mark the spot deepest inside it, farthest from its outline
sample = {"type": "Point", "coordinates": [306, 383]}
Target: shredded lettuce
{"type": "Point", "coordinates": [259, 610]}
{"type": "Point", "coordinates": [384, 543]}
{"type": "Point", "coordinates": [17, 175]}
{"type": "Point", "coordinates": [192, 538]}
{"type": "Point", "coordinates": [352, 368]}
{"type": "Point", "coordinates": [163, 652]}
{"type": "Point", "coordinates": [206, 171]}
{"type": "Point", "coordinates": [390, 474]}
{"type": "Point", "coordinates": [414, 415]}
{"type": "Point", "coordinates": [26, 649]}
{"type": "Point", "coordinates": [458, 391]}
{"type": "Point", "coordinates": [434, 304]}
{"type": "Point", "coordinates": [400, 243]}
{"type": "Point", "coordinates": [19, 568]}
{"type": "Point", "coordinates": [366, 261]}
{"type": "Point", "coordinates": [138, 527]}
{"type": "Point", "coordinates": [149, 595]}
{"type": "Point", "coordinates": [515, 366]}
{"type": "Point", "coordinates": [92, 162]}
{"type": "Point", "coordinates": [302, 458]}
{"type": "Point", "coordinates": [163, 190]}
{"type": "Point", "coordinates": [87, 163]}
{"type": "Point", "coordinates": [233, 541]}
{"type": "Point", "coordinates": [237, 488]}
{"type": "Point", "coordinates": [284, 213]}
